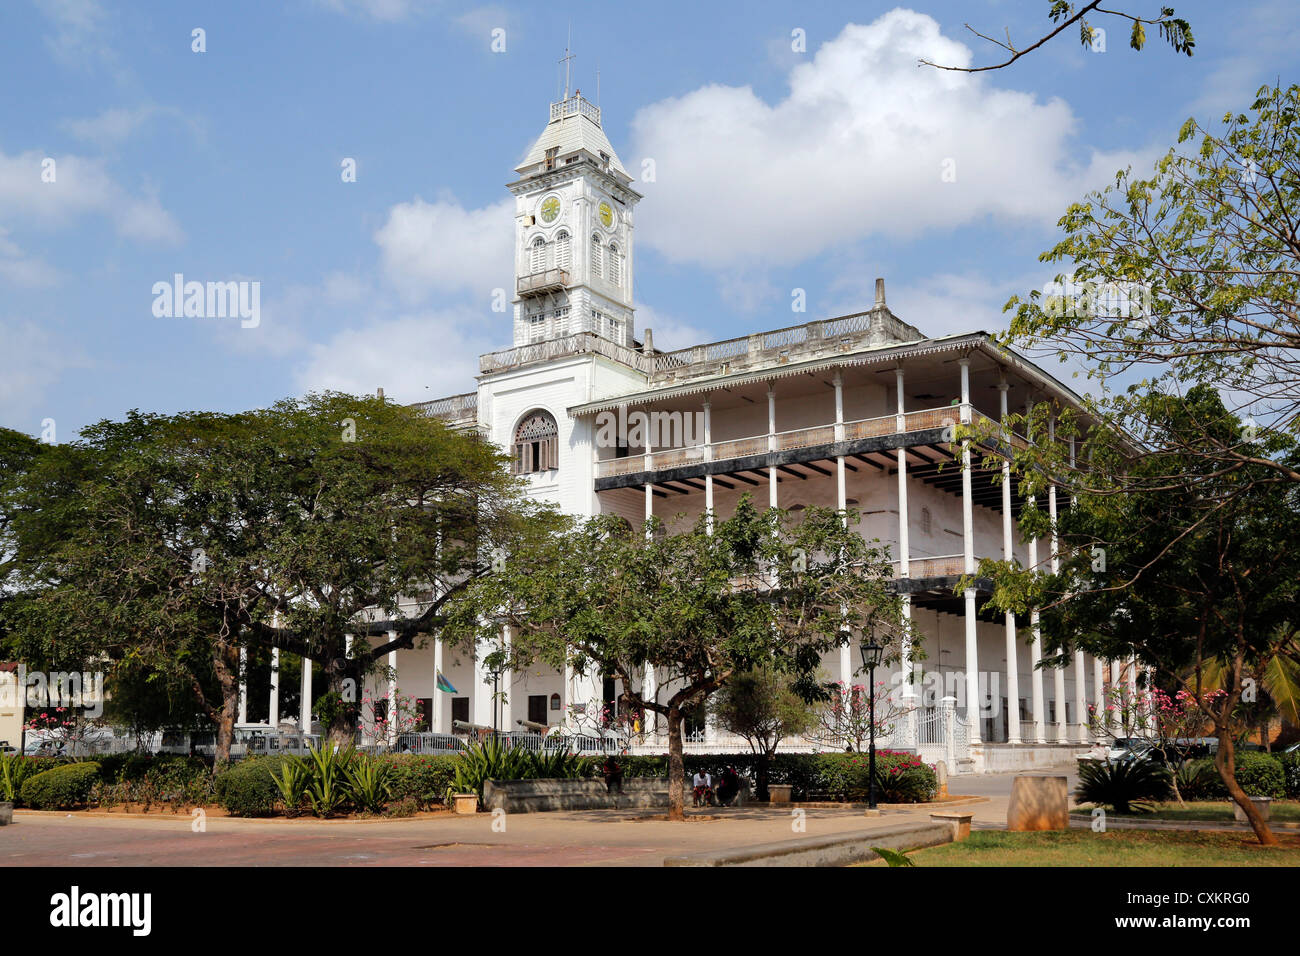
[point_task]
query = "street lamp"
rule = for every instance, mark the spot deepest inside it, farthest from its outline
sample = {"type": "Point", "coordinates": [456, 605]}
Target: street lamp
{"type": "Point", "coordinates": [871, 652]}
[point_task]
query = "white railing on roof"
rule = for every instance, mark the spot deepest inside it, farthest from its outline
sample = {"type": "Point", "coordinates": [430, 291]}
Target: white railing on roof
{"type": "Point", "coordinates": [453, 407]}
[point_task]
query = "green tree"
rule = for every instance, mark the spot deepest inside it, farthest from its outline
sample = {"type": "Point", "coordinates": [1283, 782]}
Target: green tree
{"type": "Point", "coordinates": [1197, 579]}
{"type": "Point", "coordinates": [726, 596]}
{"type": "Point", "coordinates": [286, 527]}
{"type": "Point", "coordinates": [761, 706]}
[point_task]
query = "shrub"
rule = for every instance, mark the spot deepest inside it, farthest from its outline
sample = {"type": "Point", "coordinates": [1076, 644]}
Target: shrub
{"type": "Point", "coordinates": [1200, 780]}
{"type": "Point", "coordinates": [1127, 786]}
{"type": "Point", "coordinates": [371, 784]}
{"type": "Point", "coordinates": [248, 788]}
{"type": "Point", "coordinates": [420, 779]}
{"type": "Point", "coordinates": [61, 788]}
{"type": "Point", "coordinates": [1291, 773]}
{"type": "Point", "coordinates": [1260, 774]}
{"type": "Point", "coordinates": [14, 769]}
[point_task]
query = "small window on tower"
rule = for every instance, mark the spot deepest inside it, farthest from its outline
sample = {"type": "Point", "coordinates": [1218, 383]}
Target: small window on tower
{"type": "Point", "coordinates": [612, 271]}
{"type": "Point", "coordinates": [550, 156]}
{"type": "Point", "coordinates": [595, 255]}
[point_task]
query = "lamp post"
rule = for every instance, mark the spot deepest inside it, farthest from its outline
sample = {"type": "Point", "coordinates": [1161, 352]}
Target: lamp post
{"type": "Point", "coordinates": [871, 652]}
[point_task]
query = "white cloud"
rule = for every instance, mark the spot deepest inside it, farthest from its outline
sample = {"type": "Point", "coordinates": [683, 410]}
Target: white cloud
{"type": "Point", "coordinates": [670, 333]}
{"type": "Point", "coordinates": [81, 31]}
{"type": "Point", "coordinates": [443, 246]}
{"type": "Point", "coordinates": [81, 186]}
{"type": "Point", "coordinates": [414, 357]}
{"type": "Point", "coordinates": [18, 268]}
{"type": "Point", "coordinates": [32, 360]}
{"type": "Point", "coordinates": [385, 11]}
{"type": "Point", "coordinates": [856, 149]}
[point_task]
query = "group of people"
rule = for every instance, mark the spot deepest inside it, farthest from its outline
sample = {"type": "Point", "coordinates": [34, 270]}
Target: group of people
{"type": "Point", "coordinates": [705, 790]}
{"type": "Point", "coordinates": [726, 791]}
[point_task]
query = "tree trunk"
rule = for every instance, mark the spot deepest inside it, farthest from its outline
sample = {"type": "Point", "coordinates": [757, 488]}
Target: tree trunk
{"type": "Point", "coordinates": [763, 776]}
{"type": "Point", "coordinates": [342, 678]}
{"type": "Point", "coordinates": [225, 660]}
{"type": "Point", "coordinates": [1225, 763]}
{"type": "Point", "coordinates": [676, 767]}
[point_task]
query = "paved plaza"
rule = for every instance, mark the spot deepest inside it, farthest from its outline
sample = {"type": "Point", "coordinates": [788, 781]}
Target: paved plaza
{"type": "Point", "coordinates": [587, 838]}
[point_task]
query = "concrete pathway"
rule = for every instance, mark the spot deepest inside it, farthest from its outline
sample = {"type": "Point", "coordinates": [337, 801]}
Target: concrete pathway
{"type": "Point", "coordinates": [587, 838]}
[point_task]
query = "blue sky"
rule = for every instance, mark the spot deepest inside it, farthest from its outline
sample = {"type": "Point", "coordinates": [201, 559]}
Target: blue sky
{"type": "Point", "coordinates": [775, 170]}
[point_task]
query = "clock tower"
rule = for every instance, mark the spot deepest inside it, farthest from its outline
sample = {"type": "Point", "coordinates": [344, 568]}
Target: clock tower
{"type": "Point", "coordinates": [573, 231]}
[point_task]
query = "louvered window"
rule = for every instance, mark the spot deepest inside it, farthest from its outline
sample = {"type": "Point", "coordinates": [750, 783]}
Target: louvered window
{"type": "Point", "coordinates": [595, 255]}
{"type": "Point", "coordinates": [562, 251]}
{"type": "Point", "coordinates": [612, 272]}
{"type": "Point", "coordinates": [538, 255]}
{"type": "Point", "coordinates": [537, 444]}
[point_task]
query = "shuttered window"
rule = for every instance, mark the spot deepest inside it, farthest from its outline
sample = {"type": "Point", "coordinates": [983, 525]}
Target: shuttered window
{"type": "Point", "coordinates": [537, 444]}
{"type": "Point", "coordinates": [595, 255]}
{"type": "Point", "coordinates": [538, 255]}
{"type": "Point", "coordinates": [562, 251]}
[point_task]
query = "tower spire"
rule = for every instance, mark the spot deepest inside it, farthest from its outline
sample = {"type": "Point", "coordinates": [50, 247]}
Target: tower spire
{"type": "Point", "coordinates": [566, 61]}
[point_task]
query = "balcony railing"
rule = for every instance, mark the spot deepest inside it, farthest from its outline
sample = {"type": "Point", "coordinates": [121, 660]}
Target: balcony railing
{"type": "Point", "coordinates": [782, 441]}
{"type": "Point", "coordinates": [942, 566]}
{"type": "Point", "coordinates": [541, 283]}
{"type": "Point", "coordinates": [452, 408]}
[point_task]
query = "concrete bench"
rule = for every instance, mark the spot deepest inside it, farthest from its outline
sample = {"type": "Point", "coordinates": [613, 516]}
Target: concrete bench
{"type": "Point", "coordinates": [960, 822]}
{"type": "Point", "coordinates": [533, 796]}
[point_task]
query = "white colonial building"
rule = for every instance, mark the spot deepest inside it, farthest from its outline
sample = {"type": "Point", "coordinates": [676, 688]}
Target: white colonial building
{"type": "Point", "coordinates": [852, 411]}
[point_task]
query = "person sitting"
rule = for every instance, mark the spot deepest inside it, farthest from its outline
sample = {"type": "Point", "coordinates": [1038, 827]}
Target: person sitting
{"type": "Point", "coordinates": [702, 787]}
{"type": "Point", "coordinates": [728, 786]}
{"type": "Point", "coordinates": [613, 775]}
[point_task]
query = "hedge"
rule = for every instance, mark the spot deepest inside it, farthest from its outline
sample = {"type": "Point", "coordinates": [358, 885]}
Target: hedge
{"type": "Point", "coordinates": [1291, 771]}
{"type": "Point", "coordinates": [1260, 774]}
{"type": "Point", "coordinates": [247, 789]}
{"type": "Point", "coordinates": [61, 788]}
{"type": "Point", "coordinates": [422, 779]}
{"type": "Point", "coordinates": [901, 777]}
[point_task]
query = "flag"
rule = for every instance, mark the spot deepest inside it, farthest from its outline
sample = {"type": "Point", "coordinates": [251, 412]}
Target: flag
{"type": "Point", "coordinates": [444, 685]}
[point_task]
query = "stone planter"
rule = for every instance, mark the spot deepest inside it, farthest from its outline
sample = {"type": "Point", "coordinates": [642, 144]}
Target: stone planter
{"type": "Point", "coordinates": [465, 803]}
{"type": "Point", "coordinates": [779, 792]}
{"type": "Point", "coordinates": [1262, 804]}
{"type": "Point", "coordinates": [6, 813]}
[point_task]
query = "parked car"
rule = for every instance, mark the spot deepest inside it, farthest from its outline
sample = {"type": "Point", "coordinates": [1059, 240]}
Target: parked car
{"type": "Point", "coordinates": [6, 748]}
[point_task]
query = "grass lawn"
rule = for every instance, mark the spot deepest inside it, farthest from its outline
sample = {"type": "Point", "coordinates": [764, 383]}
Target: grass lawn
{"type": "Point", "coordinates": [1116, 848]}
{"type": "Point", "coordinates": [1217, 811]}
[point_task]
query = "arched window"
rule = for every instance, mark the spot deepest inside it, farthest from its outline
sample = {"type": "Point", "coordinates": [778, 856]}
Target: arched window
{"type": "Point", "coordinates": [613, 264]}
{"type": "Point", "coordinates": [538, 255]}
{"type": "Point", "coordinates": [595, 255]}
{"type": "Point", "coordinates": [537, 444]}
{"type": "Point", "coordinates": [562, 250]}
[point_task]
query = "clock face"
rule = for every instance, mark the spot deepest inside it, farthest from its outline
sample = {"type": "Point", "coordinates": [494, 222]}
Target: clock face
{"type": "Point", "coordinates": [606, 214]}
{"type": "Point", "coordinates": [550, 209]}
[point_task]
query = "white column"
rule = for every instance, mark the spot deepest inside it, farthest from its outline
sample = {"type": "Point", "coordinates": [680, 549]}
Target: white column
{"type": "Point", "coordinates": [904, 557]}
{"type": "Point", "coordinates": [968, 541]}
{"type": "Point", "coordinates": [771, 446]}
{"type": "Point", "coordinates": [436, 723]}
{"type": "Point", "coordinates": [392, 692]}
{"type": "Point", "coordinates": [649, 505]}
{"type": "Point", "coordinates": [507, 680]}
{"type": "Point", "coordinates": [480, 703]}
{"type": "Point", "coordinates": [1080, 698]}
{"type": "Point", "coordinates": [708, 456]}
{"type": "Point", "coordinates": [1036, 656]}
{"type": "Point", "coordinates": [243, 685]}
{"type": "Point", "coordinates": [273, 712]}
{"type": "Point", "coordinates": [1058, 686]}
{"type": "Point", "coordinates": [649, 691]}
{"type": "Point", "coordinates": [1008, 555]}
{"type": "Point", "coordinates": [304, 710]}
{"type": "Point", "coordinates": [1099, 694]}
{"type": "Point", "coordinates": [1117, 683]}
{"type": "Point", "coordinates": [839, 407]}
